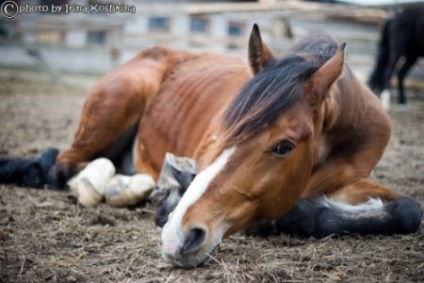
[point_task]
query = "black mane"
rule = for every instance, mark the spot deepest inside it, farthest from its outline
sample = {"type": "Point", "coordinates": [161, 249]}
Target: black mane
{"type": "Point", "coordinates": [275, 88]}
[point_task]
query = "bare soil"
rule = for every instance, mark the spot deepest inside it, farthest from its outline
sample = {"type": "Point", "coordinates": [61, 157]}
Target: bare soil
{"type": "Point", "coordinates": [45, 236]}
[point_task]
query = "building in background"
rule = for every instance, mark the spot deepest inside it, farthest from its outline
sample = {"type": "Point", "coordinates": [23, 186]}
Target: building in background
{"type": "Point", "coordinates": [92, 41]}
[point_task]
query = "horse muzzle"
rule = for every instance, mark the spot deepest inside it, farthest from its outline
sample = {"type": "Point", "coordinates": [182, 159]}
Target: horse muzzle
{"type": "Point", "coordinates": [190, 249]}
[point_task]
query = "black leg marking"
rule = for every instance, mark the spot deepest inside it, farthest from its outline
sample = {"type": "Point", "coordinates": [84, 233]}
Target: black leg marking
{"type": "Point", "coordinates": [406, 215]}
{"type": "Point", "coordinates": [314, 218]}
{"type": "Point", "coordinates": [31, 172]}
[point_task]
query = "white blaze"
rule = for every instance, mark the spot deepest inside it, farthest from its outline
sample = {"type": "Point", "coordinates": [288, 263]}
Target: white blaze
{"type": "Point", "coordinates": [172, 234]}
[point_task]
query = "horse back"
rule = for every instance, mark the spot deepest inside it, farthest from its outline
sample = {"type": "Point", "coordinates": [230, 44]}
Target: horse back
{"type": "Point", "coordinates": [408, 30]}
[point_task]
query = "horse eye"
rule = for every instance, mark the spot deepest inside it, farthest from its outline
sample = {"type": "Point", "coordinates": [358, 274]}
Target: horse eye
{"type": "Point", "coordinates": [283, 148]}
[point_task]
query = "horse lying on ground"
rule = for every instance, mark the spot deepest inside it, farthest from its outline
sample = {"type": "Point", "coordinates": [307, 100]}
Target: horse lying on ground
{"type": "Point", "coordinates": [402, 36]}
{"type": "Point", "coordinates": [295, 136]}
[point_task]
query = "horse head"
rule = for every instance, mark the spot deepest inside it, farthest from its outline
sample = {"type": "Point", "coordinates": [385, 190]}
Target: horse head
{"type": "Point", "coordinates": [263, 155]}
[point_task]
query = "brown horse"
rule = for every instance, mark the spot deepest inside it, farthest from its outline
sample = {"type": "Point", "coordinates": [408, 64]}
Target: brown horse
{"type": "Point", "coordinates": [295, 137]}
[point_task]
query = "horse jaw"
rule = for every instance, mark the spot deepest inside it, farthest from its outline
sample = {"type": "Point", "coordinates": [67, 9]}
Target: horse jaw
{"type": "Point", "coordinates": [174, 234]}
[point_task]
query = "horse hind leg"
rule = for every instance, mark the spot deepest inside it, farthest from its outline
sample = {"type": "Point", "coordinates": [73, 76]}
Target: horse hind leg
{"type": "Point", "coordinates": [111, 113]}
{"type": "Point", "coordinates": [103, 129]}
{"type": "Point", "coordinates": [385, 94]}
{"type": "Point", "coordinates": [362, 208]}
{"type": "Point", "coordinates": [377, 76]}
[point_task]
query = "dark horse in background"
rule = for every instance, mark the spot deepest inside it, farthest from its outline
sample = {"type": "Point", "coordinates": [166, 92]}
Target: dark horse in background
{"type": "Point", "coordinates": [402, 37]}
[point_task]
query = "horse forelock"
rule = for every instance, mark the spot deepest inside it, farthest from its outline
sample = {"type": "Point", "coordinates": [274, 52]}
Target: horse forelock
{"type": "Point", "coordinates": [275, 89]}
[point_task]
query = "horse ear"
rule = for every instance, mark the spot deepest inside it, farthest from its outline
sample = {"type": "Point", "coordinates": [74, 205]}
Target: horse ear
{"type": "Point", "coordinates": [325, 76]}
{"type": "Point", "coordinates": [259, 53]}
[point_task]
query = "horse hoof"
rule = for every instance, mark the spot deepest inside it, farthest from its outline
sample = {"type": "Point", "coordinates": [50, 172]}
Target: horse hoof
{"type": "Point", "coordinates": [90, 184]}
{"type": "Point", "coordinates": [88, 195]}
{"type": "Point", "coordinates": [406, 213]}
{"type": "Point", "coordinates": [129, 190]}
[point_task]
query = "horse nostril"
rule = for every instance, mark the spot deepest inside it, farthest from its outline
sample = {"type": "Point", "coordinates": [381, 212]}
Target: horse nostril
{"type": "Point", "coordinates": [160, 220]}
{"type": "Point", "coordinates": [193, 240]}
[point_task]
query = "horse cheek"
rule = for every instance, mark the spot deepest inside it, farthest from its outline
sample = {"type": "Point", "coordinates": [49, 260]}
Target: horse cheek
{"type": "Point", "coordinates": [241, 217]}
{"type": "Point", "coordinates": [287, 185]}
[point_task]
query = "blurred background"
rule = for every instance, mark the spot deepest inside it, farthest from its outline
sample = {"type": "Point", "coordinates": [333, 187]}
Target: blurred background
{"type": "Point", "coordinates": [84, 39]}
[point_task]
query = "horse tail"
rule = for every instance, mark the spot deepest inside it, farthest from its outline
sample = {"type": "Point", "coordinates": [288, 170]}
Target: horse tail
{"type": "Point", "coordinates": [376, 81]}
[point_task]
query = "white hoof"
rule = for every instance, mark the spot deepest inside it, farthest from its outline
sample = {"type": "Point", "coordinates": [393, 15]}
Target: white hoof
{"type": "Point", "coordinates": [129, 190]}
{"type": "Point", "coordinates": [385, 100]}
{"type": "Point", "coordinates": [90, 184]}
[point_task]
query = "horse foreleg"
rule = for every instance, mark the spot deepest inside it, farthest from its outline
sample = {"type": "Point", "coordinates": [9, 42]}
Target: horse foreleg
{"type": "Point", "coordinates": [361, 191]}
{"type": "Point", "coordinates": [410, 61]}
{"type": "Point", "coordinates": [362, 207]}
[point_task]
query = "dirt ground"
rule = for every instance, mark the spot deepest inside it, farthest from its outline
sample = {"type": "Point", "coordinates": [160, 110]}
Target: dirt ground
{"type": "Point", "coordinates": [46, 237]}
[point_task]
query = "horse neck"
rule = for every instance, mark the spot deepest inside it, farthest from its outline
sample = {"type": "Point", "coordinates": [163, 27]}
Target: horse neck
{"type": "Point", "coordinates": [210, 145]}
{"type": "Point", "coordinates": [342, 112]}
